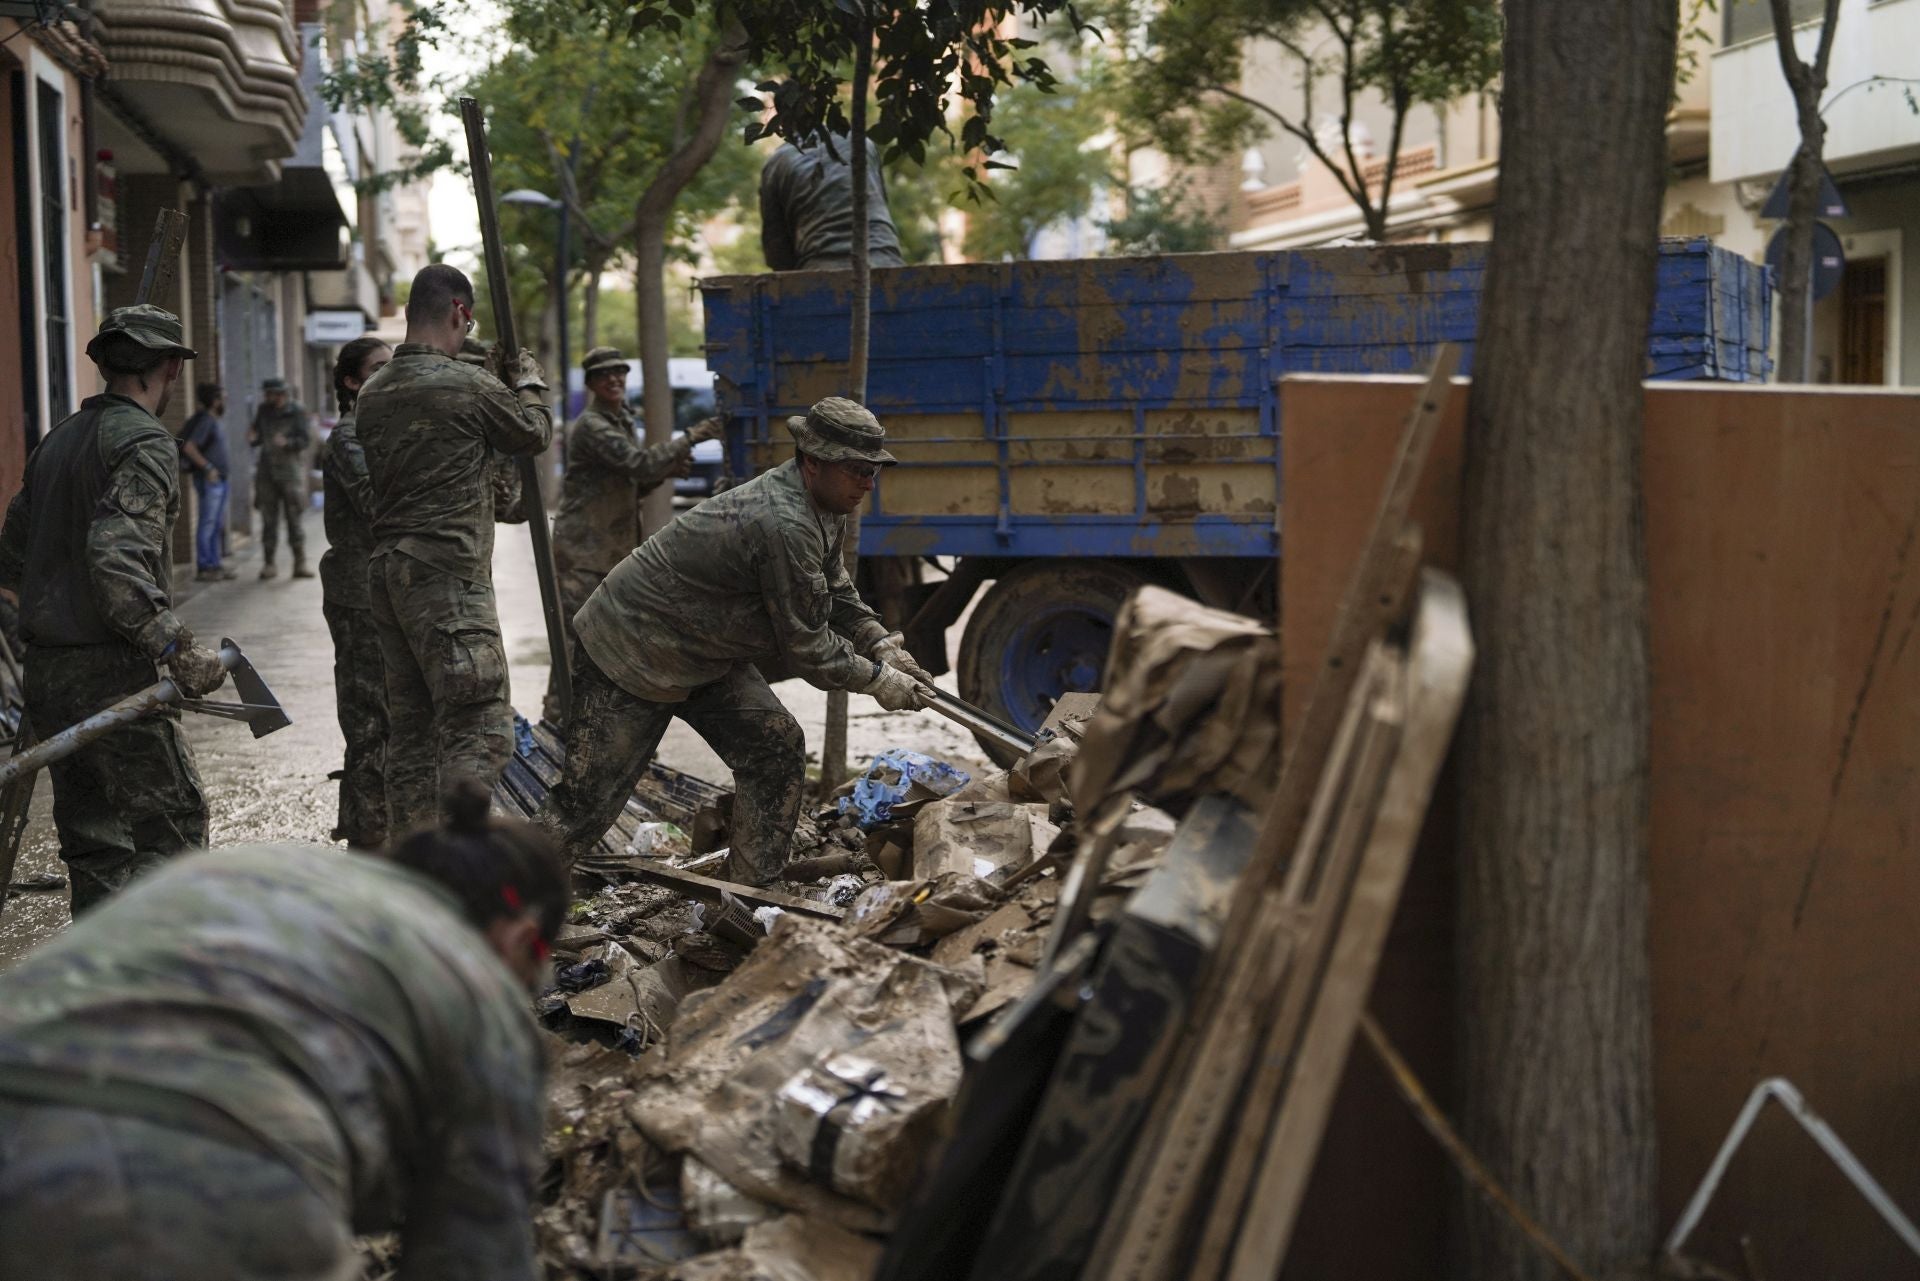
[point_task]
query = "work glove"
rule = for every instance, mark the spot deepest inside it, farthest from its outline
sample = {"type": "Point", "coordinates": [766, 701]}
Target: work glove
{"type": "Point", "coordinates": [896, 691]}
{"type": "Point", "coordinates": [522, 374]}
{"type": "Point", "coordinates": [195, 668]}
{"type": "Point", "coordinates": [892, 650]}
{"type": "Point", "coordinates": [707, 429]}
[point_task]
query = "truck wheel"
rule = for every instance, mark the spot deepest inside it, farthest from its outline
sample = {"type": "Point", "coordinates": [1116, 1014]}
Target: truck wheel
{"type": "Point", "coordinates": [1041, 631]}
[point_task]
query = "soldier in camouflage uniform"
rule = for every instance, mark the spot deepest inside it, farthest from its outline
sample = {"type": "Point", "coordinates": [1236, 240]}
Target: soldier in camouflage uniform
{"type": "Point", "coordinates": [433, 429]}
{"type": "Point", "coordinates": [751, 576]}
{"type": "Point", "coordinates": [608, 473]}
{"type": "Point", "coordinates": [283, 431]}
{"type": "Point", "coordinates": [359, 675]}
{"type": "Point", "coordinates": [87, 547]}
{"type": "Point", "coordinates": [259, 1052]}
{"type": "Point", "coordinates": [509, 500]}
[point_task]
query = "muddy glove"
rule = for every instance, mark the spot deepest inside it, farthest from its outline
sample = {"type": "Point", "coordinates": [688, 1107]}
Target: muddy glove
{"type": "Point", "coordinates": [707, 429]}
{"type": "Point", "coordinates": [896, 691]}
{"type": "Point", "coordinates": [195, 668]}
{"type": "Point", "coordinates": [892, 650]}
{"type": "Point", "coordinates": [523, 375]}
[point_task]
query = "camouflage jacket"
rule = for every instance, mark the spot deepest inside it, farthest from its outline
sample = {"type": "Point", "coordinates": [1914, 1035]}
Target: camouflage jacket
{"type": "Point", "coordinates": [283, 463]}
{"type": "Point", "coordinates": [331, 1008]}
{"type": "Point", "coordinates": [806, 208]}
{"type": "Point", "coordinates": [749, 575]}
{"type": "Point", "coordinates": [433, 429]}
{"type": "Point", "coordinates": [87, 540]}
{"type": "Point", "coordinates": [608, 472]}
{"type": "Point", "coordinates": [348, 513]}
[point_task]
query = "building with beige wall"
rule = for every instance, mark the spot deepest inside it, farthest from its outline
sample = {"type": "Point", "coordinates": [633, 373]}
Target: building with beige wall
{"type": "Point", "coordinates": [1730, 133]}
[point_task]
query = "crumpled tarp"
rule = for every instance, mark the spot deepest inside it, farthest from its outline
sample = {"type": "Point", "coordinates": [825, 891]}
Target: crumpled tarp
{"type": "Point", "coordinates": [1191, 706]}
{"type": "Point", "coordinates": [892, 780]}
{"type": "Point", "coordinates": [807, 991]}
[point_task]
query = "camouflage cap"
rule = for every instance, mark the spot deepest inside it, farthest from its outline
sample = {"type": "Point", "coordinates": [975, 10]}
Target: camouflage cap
{"type": "Point", "coordinates": [150, 326]}
{"type": "Point", "coordinates": [837, 429]}
{"type": "Point", "coordinates": [274, 384]}
{"type": "Point", "coordinates": [601, 358]}
{"type": "Point", "coordinates": [473, 351]}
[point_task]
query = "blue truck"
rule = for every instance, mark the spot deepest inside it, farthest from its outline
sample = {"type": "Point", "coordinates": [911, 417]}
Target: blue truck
{"type": "Point", "coordinates": [1069, 431]}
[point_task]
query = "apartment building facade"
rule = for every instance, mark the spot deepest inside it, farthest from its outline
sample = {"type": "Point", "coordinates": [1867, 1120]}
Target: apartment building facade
{"type": "Point", "coordinates": [1730, 133]}
{"type": "Point", "coordinates": [113, 110]}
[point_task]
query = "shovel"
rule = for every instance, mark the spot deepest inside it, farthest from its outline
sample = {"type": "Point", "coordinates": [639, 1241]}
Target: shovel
{"type": "Point", "coordinates": [257, 707]}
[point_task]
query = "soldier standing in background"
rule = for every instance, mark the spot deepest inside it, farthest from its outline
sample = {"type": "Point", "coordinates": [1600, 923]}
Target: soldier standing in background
{"type": "Point", "coordinates": [433, 429]}
{"type": "Point", "coordinates": [608, 473]}
{"type": "Point", "coordinates": [359, 675]}
{"type": "Point", "coordinates": [283, 432]}
{"type": "Point", "coordinates": [87, 546]}
{"type": "Point", "coordinates": [806, 208]}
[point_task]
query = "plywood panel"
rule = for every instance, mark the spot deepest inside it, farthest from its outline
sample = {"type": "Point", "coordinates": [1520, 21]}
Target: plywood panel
{"type": "Point", "coordinates": [1786, 772]}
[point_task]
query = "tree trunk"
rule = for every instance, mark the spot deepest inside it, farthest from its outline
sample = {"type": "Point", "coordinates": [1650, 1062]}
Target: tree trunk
{"type": "Point", "coordinates": [711, 102]}
{"type": "Point", "coordinates": [1807, 82]}
{"type": "Point", "coordinates": [1554, 1005]}
{"type": "Point", "coordinates": [833, 742]}
{"type": "Point", "coordinates": [590, 303]}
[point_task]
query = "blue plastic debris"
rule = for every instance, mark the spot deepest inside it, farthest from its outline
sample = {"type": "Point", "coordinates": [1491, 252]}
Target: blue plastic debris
{"type": "Point", "coordinates": [890, 779]}
{"type": "Point", "coordinates": [522, 736]}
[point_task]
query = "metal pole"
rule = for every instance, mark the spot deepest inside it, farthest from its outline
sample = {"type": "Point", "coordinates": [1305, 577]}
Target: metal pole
{"type": "Point", "coordinates": [499, 287]}
{"type": "Point", "coordinates": [560, 282]}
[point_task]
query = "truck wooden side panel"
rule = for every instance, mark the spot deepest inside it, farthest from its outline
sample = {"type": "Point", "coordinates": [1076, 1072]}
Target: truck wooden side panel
{"type": "Point", "coordinates": [1126, 406]}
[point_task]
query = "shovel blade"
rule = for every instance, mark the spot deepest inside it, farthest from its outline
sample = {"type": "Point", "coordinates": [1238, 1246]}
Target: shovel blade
{"type": "Point", "coordinates": [267, 715]}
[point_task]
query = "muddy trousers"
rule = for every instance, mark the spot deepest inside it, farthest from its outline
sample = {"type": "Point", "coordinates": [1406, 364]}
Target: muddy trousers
{"type": "Point", "coordinates": [612, 734]}
{"type": "Point", "coordinates": [575, 586]}
{"type": "Point", "coordinates": [360, 701]}
{"type": "Point", "coordinates": [86, 1195]}
{"type": "Point", "coordinates": [131, 799]}
{"type": "Point", "coordinates": [447, 711]}
{"type": "Point", "coordinates": [281, 500]}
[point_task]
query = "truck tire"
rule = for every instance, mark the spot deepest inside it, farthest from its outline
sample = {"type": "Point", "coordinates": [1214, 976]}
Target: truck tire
{"type": "Point", "coordinates": [1038, 632]}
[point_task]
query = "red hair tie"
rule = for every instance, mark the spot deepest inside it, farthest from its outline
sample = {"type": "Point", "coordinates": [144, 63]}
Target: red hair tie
{"type": "Point", "coordinates": [511, 897]}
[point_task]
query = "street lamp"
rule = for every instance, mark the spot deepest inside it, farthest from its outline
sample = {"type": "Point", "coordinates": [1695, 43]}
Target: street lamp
{"type": "Point", "coordinates": [540, 200]}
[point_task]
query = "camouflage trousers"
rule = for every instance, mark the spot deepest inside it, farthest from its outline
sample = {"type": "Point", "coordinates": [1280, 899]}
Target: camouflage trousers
{"type": "Point", "coordinates": [86, 1194]}
{"type": "Point", "coordinates": [360, 701]}
{"type": "Point", "coordinates": [447, 711]}
{"type": "Point", "coordinates": [279, 498]}
{"type": "Point", "coordinates": [611, 735]}
{"type": "Point", "coordinates": [575, 586]}
{"type": "Point", "coordinates": [131, 799]}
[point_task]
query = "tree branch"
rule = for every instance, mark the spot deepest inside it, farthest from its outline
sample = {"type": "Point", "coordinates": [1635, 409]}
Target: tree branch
{"type": "Point", "coordinates": [1305, 135]}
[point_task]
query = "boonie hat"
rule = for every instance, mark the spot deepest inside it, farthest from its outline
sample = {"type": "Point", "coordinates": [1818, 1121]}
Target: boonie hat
{"type": "Point", "coordinates": [150, 326]}
{"type": "Point", "coordinates": [603, 358]}
{"type": "Point", "coordinates": [274, 384]}
{"type": "Point", "coordinates": [473, 351]}
{"type": "Point", "coordinates": [837, 429]}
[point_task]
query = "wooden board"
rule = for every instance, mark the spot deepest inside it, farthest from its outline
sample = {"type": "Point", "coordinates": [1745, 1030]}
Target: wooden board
{"type": "Point", "coordinates": [1786, 791]}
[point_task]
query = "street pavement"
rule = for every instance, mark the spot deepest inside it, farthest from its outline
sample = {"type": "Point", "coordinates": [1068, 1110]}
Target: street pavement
{"type": "Point", "coordinates": [277, 788]}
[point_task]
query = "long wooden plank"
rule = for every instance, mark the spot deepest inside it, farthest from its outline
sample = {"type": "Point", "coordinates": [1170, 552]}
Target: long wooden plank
{"type": "Point", "coordinates": [1439, 664]}
{"type": "Point", "coordinates": [708, 890]}
{"type": "Point", "coordinates": [1194, 1113]}
{"type": "Point", "coordinates": [1323, 875]}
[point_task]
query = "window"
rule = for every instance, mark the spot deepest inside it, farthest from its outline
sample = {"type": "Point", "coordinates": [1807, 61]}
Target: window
{"type": "Point", "coordinates": [54, 263]}
{"type": "Point", "coordinates": [1751, 19]}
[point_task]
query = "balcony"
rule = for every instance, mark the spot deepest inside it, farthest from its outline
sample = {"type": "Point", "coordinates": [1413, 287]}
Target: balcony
{"type": "Point", "coordinates": [219, 80]}
{"type": "Point", "coordinates": [1754, 128]}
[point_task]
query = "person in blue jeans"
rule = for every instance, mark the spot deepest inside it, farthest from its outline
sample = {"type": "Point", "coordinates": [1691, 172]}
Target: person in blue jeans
{"type": "Point", "coordinates": [203, 446]}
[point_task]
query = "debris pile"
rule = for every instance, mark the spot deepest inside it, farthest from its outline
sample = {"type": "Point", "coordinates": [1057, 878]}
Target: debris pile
{"type": "Point", "coordinates": [799, 1046]}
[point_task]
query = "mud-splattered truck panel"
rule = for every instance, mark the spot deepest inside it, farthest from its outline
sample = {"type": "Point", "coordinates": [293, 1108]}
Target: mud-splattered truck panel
{"type": "Point", "coordinates": [1068, 430]}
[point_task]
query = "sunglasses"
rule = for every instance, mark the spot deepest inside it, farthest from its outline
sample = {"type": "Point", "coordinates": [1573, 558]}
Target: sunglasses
{"type": "Point", "coordinates": [472, 324]}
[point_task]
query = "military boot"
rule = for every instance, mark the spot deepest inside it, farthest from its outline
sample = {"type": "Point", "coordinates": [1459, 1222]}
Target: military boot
{"type": "Point", "coordinates": [269, 571]}
{"type": "Point", "coordinates": [300, 569]}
